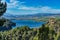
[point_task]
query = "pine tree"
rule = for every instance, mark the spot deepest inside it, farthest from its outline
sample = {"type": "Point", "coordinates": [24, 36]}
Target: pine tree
{"type": "Point", "coordinates": [3, 7]}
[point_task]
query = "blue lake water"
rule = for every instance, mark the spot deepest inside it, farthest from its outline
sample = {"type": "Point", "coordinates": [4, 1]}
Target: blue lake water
{"type": "Point", "coordinates": [30, 23]}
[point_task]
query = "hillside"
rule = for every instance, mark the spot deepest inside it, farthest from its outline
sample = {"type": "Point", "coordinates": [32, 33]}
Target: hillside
{"type": "Point", "coordinates": [48, 31]}
{"type": "Point", "coordinates": [31, 16]}
{"type": "Point", "coordinates": [6, 24]}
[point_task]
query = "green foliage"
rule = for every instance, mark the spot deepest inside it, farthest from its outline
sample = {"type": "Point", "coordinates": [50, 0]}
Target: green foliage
{"type": "Point", "coordinates": [46, 32]}
{"type": "Point", "coordinates": [6, 24]}
{"type": "Point", "coordinates": [3, 7]}
{"type": "Point", "coordinates": [19, 33]}
{"type": "Point", "coordinates": [25, 33]}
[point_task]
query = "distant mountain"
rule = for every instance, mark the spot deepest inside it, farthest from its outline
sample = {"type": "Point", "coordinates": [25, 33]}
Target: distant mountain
{"type": "Point", "coordinates": [8, 16]}
{"type": "Point", "coordinates": [31, 15]}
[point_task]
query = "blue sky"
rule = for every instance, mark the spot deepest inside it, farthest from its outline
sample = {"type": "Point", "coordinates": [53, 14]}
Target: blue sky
{"type": "Point", "coordinates": [24, 7]}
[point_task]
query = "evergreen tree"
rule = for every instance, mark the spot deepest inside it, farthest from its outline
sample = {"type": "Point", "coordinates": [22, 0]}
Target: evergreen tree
{"type": "Point", "coordinates": [3, 7]}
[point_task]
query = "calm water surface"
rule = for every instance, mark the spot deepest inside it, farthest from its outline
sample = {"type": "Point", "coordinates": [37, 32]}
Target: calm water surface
{"type": "Point", "coordinates": [30, 23]}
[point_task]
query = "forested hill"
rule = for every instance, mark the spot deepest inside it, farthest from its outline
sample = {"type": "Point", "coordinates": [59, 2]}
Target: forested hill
{"type": "Point", "coordinates": [6, 24]}
{"type": "Point", "coordinates": [48, 31]}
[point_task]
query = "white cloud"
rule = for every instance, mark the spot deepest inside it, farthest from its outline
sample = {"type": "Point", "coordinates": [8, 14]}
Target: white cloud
{"type": "Point", "coordinates": [43, 9]}
{"type": "Point", "coordinates": [28, 8]}
{"type": "Point", "coordinates": [23, 9]}
{"type": "Point", "coordinates": [47, 9]}
{"type": "Point", "coordinates": [33, 10]}
{"type": "Point", "coordinates": [13, 3]}
{"type": "Point", "coordinates": [3, 0]}
{"type": "Point", "coordinates": [12, 0]}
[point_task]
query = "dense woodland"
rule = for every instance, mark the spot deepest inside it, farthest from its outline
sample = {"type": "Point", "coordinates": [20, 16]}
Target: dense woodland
{"type": "Point", "coordinates": [48, 31]}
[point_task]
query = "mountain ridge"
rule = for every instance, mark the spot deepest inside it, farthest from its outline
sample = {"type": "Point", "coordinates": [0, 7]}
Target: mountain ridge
{"type": "Point", "coordinates": [31, 15]}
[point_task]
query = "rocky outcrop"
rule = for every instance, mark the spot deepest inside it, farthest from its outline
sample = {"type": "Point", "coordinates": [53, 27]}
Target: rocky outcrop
{"type": "Point", "coordinates": [54, 24]}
